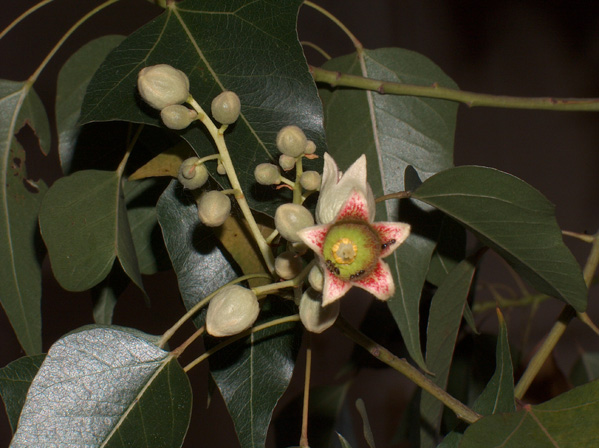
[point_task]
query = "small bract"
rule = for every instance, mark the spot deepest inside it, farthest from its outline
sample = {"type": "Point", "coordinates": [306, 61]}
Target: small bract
{"type": "Point", "coordinates": [291, 141]}
{"type": "Point", "coordinates": [290, 218]}
{"type": "Point", "coordinates": [232, 310]}
{"type": "Point", "coordinates": [162, 85]}
{"type": "Point", "coordinates": [214, 207]}
{"type": "Point", "coordinates": [226, 107]}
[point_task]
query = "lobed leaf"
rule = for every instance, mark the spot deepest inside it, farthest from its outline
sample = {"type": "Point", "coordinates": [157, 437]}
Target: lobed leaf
{"type": "Point", "coordinates": [513, 219]}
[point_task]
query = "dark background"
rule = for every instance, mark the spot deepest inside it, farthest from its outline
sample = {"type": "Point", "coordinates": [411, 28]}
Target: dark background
{"type": "Point", "coordinates": [511, 47]}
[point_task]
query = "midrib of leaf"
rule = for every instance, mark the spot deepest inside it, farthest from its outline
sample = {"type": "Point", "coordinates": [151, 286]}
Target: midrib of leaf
{"type": "Point", "coordinates": [135, 401]}
{"type": "Point", "coordinates": [214, 75]}
{"type": "Point", "coordinates": [537, 421]}
{"type": "Point", "coordinates": [9, 137]}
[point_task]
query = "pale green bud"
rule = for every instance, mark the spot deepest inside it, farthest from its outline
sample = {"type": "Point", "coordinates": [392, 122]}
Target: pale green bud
{"type": "Point", "coordinates": [310, 180]}
{"type": "Point", "coordinates": [267, 174]}
{"type": "Point", "coordinates": [177, 116]}
{"type": "Point", "coordinates": [162, 85]}
{"type": "Point", "coordinates": [313, 315]}
{"type": "Point", "coordinates": [310, 147]}
{"type": "Point", "coordinates": [214, 207]}
{"type": "Point", "coordinates": [290, 218]}
{"type": "Point", "coordinates": [287, 162]}
{"type": "Point", "coordinates": [226, 107]}
{"type": "Point", "coordinates": [291, 141]}
{"type": "Point", "coordinates": [315, 278]}
{"type": "Point", "coordinates": [191, 174]}
{"type": "Point", "coordinates": [232, 310]}
{"type": "Point", "coordinates": [288, 265]}
{"type": "Point", "coordinates": [220, 168]}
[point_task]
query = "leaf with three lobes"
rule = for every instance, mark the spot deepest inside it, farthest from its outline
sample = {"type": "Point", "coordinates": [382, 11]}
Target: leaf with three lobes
{"type": "Point", "coordinates": [15, 379]}
{"type": "Point", "coordinates": [444, 323]}
{"type": "Point", "coordinates": [569, 420]}
{"type": "Point", "coordinates": [84, 224]}
{"type": "Point", "coordinates": [72, 82]}
{"type": "Point", "coordinates": [106, 387]}
{"type": "Point", "coordinates": [262, 61]}
{"type": "Point", "coordinates": [20, 198]}
{"type": "Point", "coordinates": [253, 373]}
{"type": "Point", "coordinates": [395, 132]}
{"type": "Point", "coordinates": [513, 219]}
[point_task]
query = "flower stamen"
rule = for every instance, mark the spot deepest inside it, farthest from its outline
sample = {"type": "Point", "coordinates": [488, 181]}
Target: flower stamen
{"type": "Point", "coordinates": [344, 251]}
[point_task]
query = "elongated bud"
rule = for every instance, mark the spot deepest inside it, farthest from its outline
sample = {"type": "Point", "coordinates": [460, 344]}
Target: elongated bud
{"type": "Point", "coordinates": [177, 116]}
{"type": "Point", "coordinates": [226, 107]}
{"type": "Point", "coordinates": [291, 141]}
{"type": "Point", "coordinates": [232, 310]}
{"type": "Point", "coordinates": [290, 218]}
{"type": "Point", "coordinates": [191, 174]}
{"type": "Point", "coordinates": [315, 278]}
{"type": "Point", "coordinates": [288, 265]}
{"type": "Point", "coordinates": [267, 174]}
{"type": "Point", "coordinates": [214, 207]}
{"type": "Point", "coordinates": [310, 180]}
{"type": "Point", "coordinates": [313, 315]}
{"type": "Point", "coordinates": [162, 85]}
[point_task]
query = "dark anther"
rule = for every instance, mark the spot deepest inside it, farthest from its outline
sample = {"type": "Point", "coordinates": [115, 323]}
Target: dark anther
{"type": "Point", "coordinates": [337, 270]}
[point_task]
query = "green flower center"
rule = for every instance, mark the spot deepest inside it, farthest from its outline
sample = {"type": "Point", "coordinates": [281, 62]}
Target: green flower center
{"type": "Point", "coordinates": [351, 249]}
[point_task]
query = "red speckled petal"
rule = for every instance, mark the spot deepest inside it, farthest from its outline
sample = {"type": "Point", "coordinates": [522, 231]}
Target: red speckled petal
{"type": "Point", "coordinates": [333, 288]}
{"type": "Point", "coordinates": [355, 207]}
{"type": "Point", "coordinates": [389, 232]}
{"type": "Point", "coordinates": [379, 283]}
{"type": "Point", "coordinates": [314, 237]}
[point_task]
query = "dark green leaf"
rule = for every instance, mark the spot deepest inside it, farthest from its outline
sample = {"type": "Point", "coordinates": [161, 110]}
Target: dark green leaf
{"type": "Point", "coordinates": [253, 373]}
{"type": "Point", "coordinates": [344, 443]}
{"type": "Point", "coordinates": [368, 436]}
{"type": "Point", "coordinates": [513, 219]}
{"type": "Point", "coordinates": [498, 396]}
{"type": "Point", "coordinates": [585, 369]}
{"type": "Point", "coordinates": [20, 198]}
{"type": "Point", "coordinates": [15, 379]}
{"type": "Point", "coordinates": [262, 61]}
{"type": "Point", "coordinates": [451, 440]}
{"type": "Point", "coordinates": [199, 263]}
{"type": "Point", "coordinates": [105, 387]}
{"type": "Point", "coordinates": [569, 420]}
{"type": "Point", "coordinates": [85, 227]}
{"type": "Point", "coordinates": [106, 293]}
{"type": "Point", "coordinates": [450, 250]}
{"type": "Point", "coordinates": [444, 322]}
{"type": "Point", "coordinates": [395, 132]}
{"type": "Point", "coordinates": [72, 82]}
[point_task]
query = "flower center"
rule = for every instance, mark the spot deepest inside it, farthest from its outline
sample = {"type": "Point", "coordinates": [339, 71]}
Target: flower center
{"type": "Point", "coordinates": [351, 249]}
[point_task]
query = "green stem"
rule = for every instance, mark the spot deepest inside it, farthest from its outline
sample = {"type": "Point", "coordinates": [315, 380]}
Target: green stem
{"type": "Point", "coordinates": [323, 53]}
{"type": "Point", "coordinates": [398, 195]}
{"type": "Point", "coordinates": [243, 334]}
{"type": "Point", "coordinates": [471, 99]}
{"type": "Point", "coordinates": [462, 411]}
{"type": "Point", "coordinates": [303, 443]}
{"type": "Point", "coordinates": [121, 167]}
{"type": "Point", "coordinates": [23, 16]}
{"type": "Point", "coordinates": [337, 22]}
{"type": "Point", "coordinates": [293, 283]}
{"type": "Point", "coordinates": [297, 186]}
{"type": "Point", "coordinates": [225, 159]}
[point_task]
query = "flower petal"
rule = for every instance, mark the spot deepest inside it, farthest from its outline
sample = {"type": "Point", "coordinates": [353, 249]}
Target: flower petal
{"type": "Point", "coordinates": [379, 283]}
{"type": "Point", "coordinates": [333, 288]}
{"type": "Point", "coordinates": [314, 237]}
{"type": "Point", "coordinates": [356, 207]}
{"type": "Point", "coordinates": [392, 234]}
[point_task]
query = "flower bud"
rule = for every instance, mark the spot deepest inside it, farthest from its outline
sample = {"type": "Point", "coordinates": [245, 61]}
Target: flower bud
{"type": "Point", "coordinates": [313, 315]}
{"type": "Point", "coordinates": [162, 85]}
{"type": "Point", "coordinates": [289, 218]}
{"type": "Point", "coordinates": [315, 278]}
{"type": "Point", "coordinates": [177, 116]}
{"type": "Point", "coordinates": [191, 174]}
{"type": "Point", "coordinates": [287, 162]}
{"type": "Point", "coordinates": [226, 107]}
{"type": "Point", "coordinates": [232, 310]}
{"type": "Point", "coordinates": [288, 265]}
{"type": "Point", "coordinates": [220, 168]}
{"type": "Point", "coordinates": [267, 174]}
{"type": "Point", "coordinates": [299, 248]}
{"type": "Point", "coordinates": [310, 180]}
{"type": "Point", "coordinates": [310, 147]}
{"type": "Point", "coordinates": [291, 141]}
{"type": "Point", "coordinates": [214, 207]}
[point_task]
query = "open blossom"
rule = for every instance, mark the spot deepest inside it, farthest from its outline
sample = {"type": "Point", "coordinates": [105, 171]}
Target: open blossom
{"type": "Point", "coordinates": [350, 245]}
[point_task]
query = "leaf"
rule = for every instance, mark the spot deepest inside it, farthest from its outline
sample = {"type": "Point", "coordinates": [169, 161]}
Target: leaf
{"type": "Point", "coordinates": [72, 82]}
{"type": "Point", "coordinates": [106, 293]}
{"type": "Point", "coordinates": [84, 224]}
{"type": "Point", "coordinates": [569, 420]}
{"type": "Point", "coordinates": [253, 373]}
{"type": "Point", "coordinates": [199, 263]}
{"type": "Point", "coordinates": [450, 250]}
{"type": "Point", "coordinates": [15, 379]}
{"type": "Point", "coordinates": [262, 61]}
{"type": "Point", "coordinates": [444, 322]}
{"type": "Point", "coordinates": [344, 443]}
{"type": "Point", "coordinates": [166, 163]}
{"type": "Point", "coordinates": [105, 387]}
{"type": "Point", "coordinates": [20, 198]}
{"type": "Point", "coordinates": [585, 369]}
{"type": "Point", "coordinates": [513, 219]}
{"type": "Point", "coordinates": [395, 132]}
{"type": "Point", "coordinates": [368, 436]}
